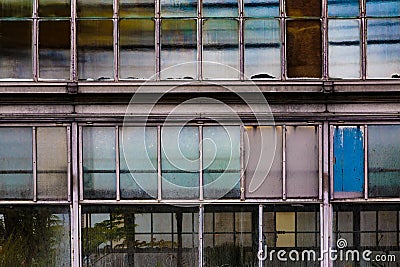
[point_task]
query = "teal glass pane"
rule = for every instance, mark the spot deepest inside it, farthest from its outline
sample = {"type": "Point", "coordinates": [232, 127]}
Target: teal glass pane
{"type": "Point", "coordinates": [16, 173]}
{"type": "Point", "coordinates": [16, 9]}
{"type": "Point", "coordinates": [138, 162]}
{"type": "Point", "coordinates": [262, 49]}
{"type": "Point", "coordinates": [383, 8]}
{"type": "Point", "coordinates": [261, 8]}
{"type": "Point", "coordinates": [383, 161]}
{"type": "Point", "coordinates": [343, 8]}
{"type": "Point", "coordinates": [136, 8]}
{"type": "Point", "coordinates": [180, 162]}
{"type": "Point", "coordinates": [99, 162]}
{"type": "Point", "coordinates": [383, 48]}
{"type": "Point", "coordinates": [181, 8]}
{"type": "Point", "coordinates": [220, 8]}
{"type": "Point", "coordinates": [95, 8]}
{"type": "Point", "coordinates": [344, 48]}
{"type": "Point", "coordinates": [54, 8]}
{"type": "Point", "coordinates": [221, 161]}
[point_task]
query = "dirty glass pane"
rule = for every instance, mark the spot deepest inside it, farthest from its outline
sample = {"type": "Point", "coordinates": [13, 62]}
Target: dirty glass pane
{"type": "Point", "coordinates": [95, 8]}
{"type": "Point", "coordinates": [16, 49]}
{"type": "Point", "coordinates": [263, 162]}
{"type": "Point", "coordinates": [368, 226]}
{"type": "Point", "coordinates": [221, 161]}
{"type": "Point", "coordinates": [54, 49]}
{"type": "Point", "coordinates": [262, 49]}
{"type": "Point", "coordinates": [306, 227]}
{"type": "Point", "coordinates": [136, 8]}
{"type": "Point", "coordinates": [178, 46]}
{"type": "Point", "coordinates": [344, 226]}
{"type": "Point", "coordinates": [343, 8]}
{"type": "Point", "coordinates": [261, 8]}
{"type": "Point", "coordinates": [344, 48]}
{"type": "Point", "coordinates": [387, 226]}
{"type": "Point", "coordinates": [139, 236]}
{"type": "Point", "coordinates": [302, 161]}
{"type": "Point", "coordinates": [35, 236]}
{"type": "Point", "coordinates": [16, 179]}
{"type": "Point", "coordinates": [182, 8]}
{"type": "Point", "coordinates": [180, 162]}
{"type": "Point", "coordinates": [54, 8]}
{"type": "Point", "coordinates": [221, 45]}
{"type": "Point", "coordinates": [52, 162]}
{"type": "Point", "coordinates": [304, 49]}
{"type": "Point", "coordinates": [383, 161]}
{"type": "Point", "coordinates": [138, 162]}
{"type": "Point", "coordinates": [136, 49]}
{"type": "Point", "coordinates": [13, 8]}
{"type": "Point", "coordinates": [99, 176]}
{"type": "Point", "coordinates": [348, 167]}
{"type": "Point", "coordinates": [303, 8]}
{"type": "Point", "coordinates": [285, 224]}
{"type": "Point", "coordinates": [95, 50]}
{"type": "Point", "coordinates": [220, 8]}
{"type": "Point", "coordinates": [383, 48]}
{"type": "Point", "coordinates": [383, 8]}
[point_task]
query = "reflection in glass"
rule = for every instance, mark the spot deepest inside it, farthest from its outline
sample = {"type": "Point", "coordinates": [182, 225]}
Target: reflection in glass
{"type": "Point", "coordinates": [16, 163]}
{"type": "Point", "coordinates": [54, 8]}
{"type": "Point", "coordinates": [262, 49]}
{"type": "Point", "coordinates": [95, 8]}
{"type": "Point", "coordinates": [220, 8]}
{"type": "Point", "coordinates": [343, 8]}
{"type": "Point", "coordinates": [261, 8]}
{"type": "Point", "coordinates": [136, 8]}
{"type": "Point", "coordinates": [136, 49]}
{"type": "Point", "coordinates": [180, 162]}
{"type": "Point", "coordinates": [182, 8]}
{"type": "Point", "coordinates": [95, 49]}
{"type": "Point", "coordinates": [16, 49]}
{"type": "Point", "coordinates": [344, 48]}
{"type": "Point", "coordinates": [221, 161]}
{"type": "Point", "coordinates": [52, 162]}
{"type": "Point", "coordinates": [13, 8]}
{"type": "Point", "coordinates": [221, 45]}
{"type": "Point", "coordinates": [383, 48]}
{"type": "Point", "coordinates": [54, 49]}
{"type": "Point", "coordinates": [138, 162]}
{"type": "Point", "coordinates": [178, 45]}
{"type": "Point", "coordinates": [383, 8]}
{"type": "Point", "coordinates": [99, 176]}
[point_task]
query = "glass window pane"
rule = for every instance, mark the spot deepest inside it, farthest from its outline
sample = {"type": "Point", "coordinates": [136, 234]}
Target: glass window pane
{"type": "Point", "coordinates": [16, 179]}
{"type": "Point", "coordinates": [263, 155]}
{"type": "Point", "coordinates": [52, 162]}
{"type": "Point", "coordinates": [304, 49]}
{"type": "Point", "coordinates": [180, 162]}
{"type": "Point", "coordinates": [12, 8]}
{"type": "Point", "coordinates": [383, 161]}
{"type": "Point", "coordinates": [136, 8]}
{"type": "Point", "coordinates": [303, 8]}
{"type": "Point", "coordinates": [221, 161]}
{"type": "Point", "coordinates": [95, 49]}
{"type": "Point", "coordinates": [220, 8]}
{"type": "Point", "coordinates": [383, 48]}
{"type": "Point", "coordinates": [54, 8]}
{"type": "Point", "coordinates": [35, 236]}
{"type": "Point", "coordinates": [136, 50]}
{"type": "Point", "coordinates": [138, 162]}
{"type": "Point", "coordinates": [302, 161]}
{"type": "Point", "coordinates": [99, 162]}
{"type": "Point", "coordinates": [182, 8]}
{"type": "Point", "coordinates": [54, 49]}
{"type": "Point", "coordinates": [343, 8]}
{"type": "Point", "coordinates": [285, 224]}
{"type": "Point", "coordinates": [220, 44]}
{"type": "Point", "coordinates": [383, 8]}
{"type": "Point", "coordinates": [16, 49]}
{"type": "Point", "coordinates": [178, 46]}
{"type": "Point", "coordinates": [95, 8]}
{"type": "Point", "coordinates": [261, 8]}
{"type": "Point", "coordinates": [262, 49]}
{"type": "Point", "coordinates": [344, 48]}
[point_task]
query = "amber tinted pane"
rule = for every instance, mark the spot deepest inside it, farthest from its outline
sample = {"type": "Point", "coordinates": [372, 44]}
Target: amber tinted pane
{"type": "Point", "coordinates": [54, 8]}
{"type": "Point", "coordinates": [13, 8]}
{"type": "Point", "coordinates": [303, 8]}
{"type": "Point", "coordinates": [95, 8]}
{"type": "Point", "coordinates": [304, 49]}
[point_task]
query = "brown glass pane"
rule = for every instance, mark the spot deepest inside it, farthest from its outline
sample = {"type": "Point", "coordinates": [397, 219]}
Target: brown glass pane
{"type": "Point", "coordinates": [304, 49]}
{"type": "Point", "coordinates": [52, 8]}
{"type": "Point", "coordinates": [13, 8]}
{"type": "Point", "coordinates": [303, 8]}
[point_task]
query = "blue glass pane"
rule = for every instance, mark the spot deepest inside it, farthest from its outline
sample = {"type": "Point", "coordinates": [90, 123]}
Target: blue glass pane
{"type": "Point", "coordinates": [343, 8]}
{"type": "Point", "coordinates": [182, 8]}
{"type": "Point", "coordinates": [383, 8]}
{"type": "Point", "coordinates": [348, 168]}
{"type": "Point", "coordinates": [220, 8]}
{"type": "Point", "coordinates": [261, 8]}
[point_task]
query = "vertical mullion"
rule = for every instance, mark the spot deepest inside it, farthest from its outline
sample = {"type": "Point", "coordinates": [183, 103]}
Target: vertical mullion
{"type": "Point", "coordinates": [331, 156]}
{"type": "Point", "coordinates": [260, 236]}
{"type": "Point", "coordinates": [365, 162]}
{"type": "Point", "coordinates": [326, 207]}
{"type": "Point", "coordinates": [284, 162]}
{"type": "Point", "coordinates": [325, 66]}
{"type": "Point", "coordinates": [159, 174]}
{"type": "Point", "coordinates": [283, 38]}
{"type": "Point", "coordinates": [117, 160]}
{"type": "Point", "coordinates": [34, 163]}
{"type": "Point", "coordinates": [69, 161]}
{"type": "Point", "coordinates": [320, 161]}
{"type": "Point", "coordinates": [241, 39]}
{"type": "Point", "coordinates": [35, 42]}
{"type": "Point", "coordinates": [73, 64]}
{"type": "Point", "coordinates": [75, 208]}
{"type": "Point", "coordinates": [80, 163]}
{"type": "Point", "coordinates": [201, 176]}
{"type": "Point", "coordinates": [363, 29]}
{"type": "Point", "coordinates": [242, 159]}
{"type": "Point", "coordinates": [116, 40]}
{"type": "Point", "coordinates": [199, 40]}
{"type": "Point", "coordinates": [157, 39]}
{"type": "Point", "coordinates": [201, 230]}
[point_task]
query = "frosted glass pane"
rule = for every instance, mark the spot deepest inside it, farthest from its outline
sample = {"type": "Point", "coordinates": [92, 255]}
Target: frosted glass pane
{"type": "Point", "coordinates": [181, 8]}
{"type": "Point", "coordinates": [178, 45]}
{"type": "Point", "coordinates": [52, 162]}
{"type": "Point", "coordinates": [13, 8]}
{"type": "Point", "coordinates": [383, 48]}
{"type": "Point", "coordinates": [302, 161]}
{"type": "Point", "coordinates": [136, 8]}
{"type": "Point", "coordinates": [221, 45]}
{"type": "Point", "coordinates": [343, 8]}
{"type": "Point", "coordinates": [383, 8]}
{"type": "Point", "coordinates": [261, 8]}
{"type": "Point", "coordinates": [220, 8]}
{"type": "Point", "coordinates": [54, 49]}
{"type": "Point", "coordinates": [344, 49]}
{"type": "Point", "coordinates": [16, 49]}
{"type": "Point", "coordinates": [262, 49]}
{"type": "Point", "coordinates": [95, 8]}
{"type": "Point", "coordinates": [54, 8]}
{"type": "Point", "coordinates": [264, 147]}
